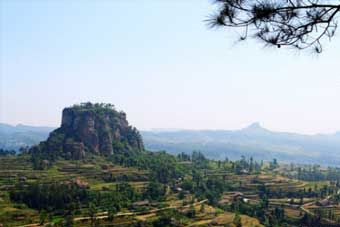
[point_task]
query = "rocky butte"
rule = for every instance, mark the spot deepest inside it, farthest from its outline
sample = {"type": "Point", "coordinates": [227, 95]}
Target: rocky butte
{"type": "Point", "coordinates": [90, 128]}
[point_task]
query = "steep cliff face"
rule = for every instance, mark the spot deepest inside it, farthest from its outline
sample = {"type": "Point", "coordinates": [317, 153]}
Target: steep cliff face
{"type": "Point", "coordinates": [95, 128]}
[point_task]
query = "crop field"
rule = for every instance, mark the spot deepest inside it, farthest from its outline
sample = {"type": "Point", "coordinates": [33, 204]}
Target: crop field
{"type": "Point", "coordinates": [99, 175]}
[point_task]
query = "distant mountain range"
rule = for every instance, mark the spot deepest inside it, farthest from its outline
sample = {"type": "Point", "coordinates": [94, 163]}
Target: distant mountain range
{"type": "Point", "coordinates": [254, 141]}
{"type": "Point", "coordinates": [14, 137]}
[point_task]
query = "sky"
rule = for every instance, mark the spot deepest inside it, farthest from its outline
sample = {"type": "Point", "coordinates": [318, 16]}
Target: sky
{"type": "Point", "coordinates": [160, 63]}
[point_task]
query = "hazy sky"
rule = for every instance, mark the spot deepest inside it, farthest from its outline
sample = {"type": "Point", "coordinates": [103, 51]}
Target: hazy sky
{"type": "Point", "coordinates": [158, 61]}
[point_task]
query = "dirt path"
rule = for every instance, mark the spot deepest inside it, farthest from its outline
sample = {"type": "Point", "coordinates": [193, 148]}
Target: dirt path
{"type": "Point", "coordinates": [103, 215]}
{"type": "Point", "coordinates": [140, 213]}
{"type": "Point", "coordinates": [303, 208]}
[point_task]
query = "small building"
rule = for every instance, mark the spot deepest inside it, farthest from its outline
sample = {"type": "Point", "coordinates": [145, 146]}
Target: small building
{"type": "Point", "coordinates": [244, 171]}
{"type": "Point", "coordinates": [324, 202]}
{"type": "Point", "coordinates": [178, 189]}
{"type": "Point", "coordinates": [80, 183]}
{"type": "Point", "coordinates": [22, 179]}
{"type": "Point", "coordinates": [140, 204]}
{"type": "Point", "coordinates": [224, 201]}
{"type": "Point", "coordinates": [245, 200]}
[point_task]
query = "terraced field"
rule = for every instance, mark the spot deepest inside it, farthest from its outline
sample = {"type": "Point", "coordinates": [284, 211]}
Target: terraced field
{"type": "Point", "coordinates": [100, 175]}
{"type": "Point", "coordinates": [95, 173]}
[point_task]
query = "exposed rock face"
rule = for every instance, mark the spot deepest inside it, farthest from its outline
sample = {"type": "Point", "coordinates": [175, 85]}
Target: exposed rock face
{"type": "Point", "coordinates": [74, 150]}
{"type": "Point", "coordinates": [95, 128]}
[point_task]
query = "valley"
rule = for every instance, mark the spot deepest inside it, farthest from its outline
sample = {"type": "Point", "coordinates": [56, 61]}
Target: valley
{"type": "Point", "coordinates": [94, 171]}
{"type": "Point", "coordinates": [242, 193]}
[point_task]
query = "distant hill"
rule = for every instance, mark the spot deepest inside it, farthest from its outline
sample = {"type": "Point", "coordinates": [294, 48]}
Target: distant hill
{"type": "Point", "coordinates": [253, 141]}
{"type": "Point", "coordinates": [14, 137]}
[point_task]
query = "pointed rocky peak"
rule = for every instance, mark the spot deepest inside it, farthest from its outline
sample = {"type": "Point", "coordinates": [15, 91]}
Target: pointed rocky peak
{"type": "Point", "coordinates": [255, 127]}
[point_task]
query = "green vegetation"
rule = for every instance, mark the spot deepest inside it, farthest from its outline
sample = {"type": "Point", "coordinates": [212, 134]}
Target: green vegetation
{"type": "Point", "coordinates": [88, 129]}
{"type": "Point", "coordinates": [133, 187]}
{"type": "Point", "coordinates": [157, 189]}
{"type": "Point", "coordinates": [4, 152]}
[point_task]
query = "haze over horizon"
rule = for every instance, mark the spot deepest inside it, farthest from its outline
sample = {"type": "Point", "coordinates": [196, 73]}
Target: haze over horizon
{"type": "Point", "coordinates": [172, 72]}
{"type": "Point", "coordinates": [254, 125]}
